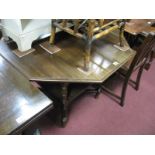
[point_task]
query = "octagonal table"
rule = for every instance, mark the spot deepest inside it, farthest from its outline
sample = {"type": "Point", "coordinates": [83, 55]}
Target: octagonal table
{"type": "Point", "coordinates": [61, 70]}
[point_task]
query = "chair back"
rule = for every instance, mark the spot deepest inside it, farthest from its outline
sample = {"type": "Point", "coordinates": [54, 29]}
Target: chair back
{"type": "Point", "coordinates": [145, 49]}
{"type": "Point", "coordinates": [142, 53]}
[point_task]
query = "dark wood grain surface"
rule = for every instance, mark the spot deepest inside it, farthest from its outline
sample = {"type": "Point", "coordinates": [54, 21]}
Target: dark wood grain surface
{"type": "Point", "coordinates": [136, 26]}
{"type": "Point", "coordinates": [20, 102]}
{"type": "Point", "coordinates": [63, 66]}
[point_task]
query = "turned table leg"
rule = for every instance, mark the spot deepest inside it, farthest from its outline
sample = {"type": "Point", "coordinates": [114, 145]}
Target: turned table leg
{"type": "Point", "coordinates": [64, 109]}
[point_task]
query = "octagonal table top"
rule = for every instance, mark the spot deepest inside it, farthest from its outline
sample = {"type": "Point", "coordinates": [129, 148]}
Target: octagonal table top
{"type": "Point", "coordinates": [63, 66]}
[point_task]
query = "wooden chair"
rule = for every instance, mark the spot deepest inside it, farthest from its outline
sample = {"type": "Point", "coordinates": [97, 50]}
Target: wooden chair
{"type": "Point", "coordinates": [137, 63]}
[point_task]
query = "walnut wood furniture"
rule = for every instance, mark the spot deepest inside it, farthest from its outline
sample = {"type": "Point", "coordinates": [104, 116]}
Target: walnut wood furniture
{"type": "Point", "coordinates": [20, 102]}
{"type": "Point", "coordinates": [60, 72]}
{"type": "Point", "coordinates": [89, 30]}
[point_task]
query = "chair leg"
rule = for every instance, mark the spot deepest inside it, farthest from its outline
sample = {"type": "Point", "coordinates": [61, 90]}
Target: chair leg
{"type": "Point", "coordinates": [148, 64]}
{"type": "Point", "coordinates": [139, 77]}
{"type": "Point", "coordinates": [53, 32]}
{"type": "Point", "coordinates": [87, 55]}
{"type": "Point", "coordinates": [121, 97]}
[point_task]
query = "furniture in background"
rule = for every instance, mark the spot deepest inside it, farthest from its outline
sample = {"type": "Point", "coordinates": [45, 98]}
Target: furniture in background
{"type": "Point", "coordinates": [136, 30]}
{"type": "Point", "coordinates": [137, 26]}
{"type": "Point", "coordinates": [25, 31]}
{"type": "Point", "coordinates": [136, 63]}
{"type": "Point", "coordinates": [59, 70]}
{"type": "Point", "coordinates": [20, 102]}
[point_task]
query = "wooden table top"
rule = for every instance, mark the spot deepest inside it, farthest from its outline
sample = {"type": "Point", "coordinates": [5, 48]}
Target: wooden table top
{"type": "Point", "coordinates": [62, 66]}
{"type": "Point", "coordinates": [20, 102]}
{"type": "Point", "coordinates": [136, 26]}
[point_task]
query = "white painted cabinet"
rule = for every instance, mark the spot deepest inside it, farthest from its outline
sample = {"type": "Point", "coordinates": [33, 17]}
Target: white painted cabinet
{"type": "Point", "coordinates": [25, 31]}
